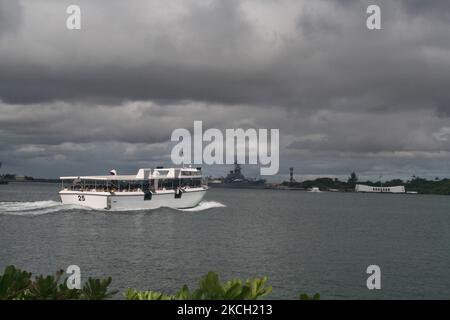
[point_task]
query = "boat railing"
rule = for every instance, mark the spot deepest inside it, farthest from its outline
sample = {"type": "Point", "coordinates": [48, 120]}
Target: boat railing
{"type": "Point", "coordinates": [183, 178]}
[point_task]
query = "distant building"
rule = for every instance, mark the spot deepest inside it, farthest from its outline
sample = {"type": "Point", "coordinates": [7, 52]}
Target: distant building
{"type": "Point", "coordinates": [364, 188]}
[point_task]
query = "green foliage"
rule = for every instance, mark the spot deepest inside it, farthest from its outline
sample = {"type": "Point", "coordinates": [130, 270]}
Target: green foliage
{"type": "Point", "coordinates": [45, 288]}
{"type": "Point", "coordinates": [352, 180]}
{"type": "Point", "coordinates": [429, 187]}
{"type": "Point", "coordinates": [146, 295]}
{"type": "Point", "coordinates": [17, 284]}
{"type": "Point", "coordinates": [322, 183]}
{"type": "Point", "coordinates": [14, 283]}
{"type": "Point", "coordinates": [210, 288]}
{"type": "Point", "coordinates": [96, 289]}
{"type": "Point", "coordinates": [304, 296]}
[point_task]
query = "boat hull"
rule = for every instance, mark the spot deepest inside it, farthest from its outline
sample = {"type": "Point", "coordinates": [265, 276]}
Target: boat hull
{"type": "Point", "coordinates": [123, 201]}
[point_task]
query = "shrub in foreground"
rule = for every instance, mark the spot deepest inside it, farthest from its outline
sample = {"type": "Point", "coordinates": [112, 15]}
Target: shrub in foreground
{"type": "Point", "coordinates": [304, 296]}
{"type": "Point", "coordinates": [210, 288]}
{"type": "Point", "coordinates": [16, 284]}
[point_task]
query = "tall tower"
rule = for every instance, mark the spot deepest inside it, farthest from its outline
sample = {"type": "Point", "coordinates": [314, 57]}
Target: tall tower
{"type": "Point", "coordinates": [237, 166]}
{"type": "Point", "coordinates": [291, 176]}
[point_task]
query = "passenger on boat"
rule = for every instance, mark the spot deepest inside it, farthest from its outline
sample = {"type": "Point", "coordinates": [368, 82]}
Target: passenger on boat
{"type": "Point", "coordinates": [77, 182]}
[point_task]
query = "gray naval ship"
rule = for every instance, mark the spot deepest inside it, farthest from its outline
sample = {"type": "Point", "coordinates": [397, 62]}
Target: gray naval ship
{"type": "Point", "coordinates": [235, 179]}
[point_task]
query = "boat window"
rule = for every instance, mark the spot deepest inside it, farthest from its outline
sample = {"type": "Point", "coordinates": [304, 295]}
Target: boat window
{"type": "Point", "coordinates": [131, 186]}
{"type": "Point", "coordinates": [166, 184]}
{"type": "Point", "coordinates": [163, 172]}
{"type": "Point", "coordinates": [189, 173]}
{"type": "Point", "coordinates": [191, 182]}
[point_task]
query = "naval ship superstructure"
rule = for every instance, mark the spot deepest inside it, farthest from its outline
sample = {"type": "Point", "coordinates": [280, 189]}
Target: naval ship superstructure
{"type": "Point", "coordinates": [235, 179]}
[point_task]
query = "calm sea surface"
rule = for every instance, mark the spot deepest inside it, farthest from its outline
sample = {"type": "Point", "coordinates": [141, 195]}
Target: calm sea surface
{"type": "Point", "coordinates": [304, 242]}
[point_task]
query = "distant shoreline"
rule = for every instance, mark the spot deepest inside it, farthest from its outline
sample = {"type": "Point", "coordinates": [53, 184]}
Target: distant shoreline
{"type": "Point", "coordinates": [419, 185]}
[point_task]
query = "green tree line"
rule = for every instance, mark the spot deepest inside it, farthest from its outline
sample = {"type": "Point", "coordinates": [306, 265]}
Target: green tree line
{"type": "Point", "coordinates": [420, 185]}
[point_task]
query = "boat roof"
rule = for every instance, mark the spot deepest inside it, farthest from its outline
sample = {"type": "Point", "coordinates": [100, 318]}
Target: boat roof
{"type": "Point", "coordinates": [143, 174]}
{"type": "Point", "coordinates": [105, 178]}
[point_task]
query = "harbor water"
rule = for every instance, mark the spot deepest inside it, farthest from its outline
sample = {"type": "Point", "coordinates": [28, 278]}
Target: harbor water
{"type": "Point", "coordinates": [304, 242]}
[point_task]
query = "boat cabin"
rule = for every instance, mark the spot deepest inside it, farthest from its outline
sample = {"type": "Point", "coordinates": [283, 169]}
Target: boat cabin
{"type": "Point", "coordinates": [155, 180]}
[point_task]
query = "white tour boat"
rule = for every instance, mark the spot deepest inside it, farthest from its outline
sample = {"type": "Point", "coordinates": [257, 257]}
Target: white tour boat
{"type": "Point", "coordinates": [148, 189]}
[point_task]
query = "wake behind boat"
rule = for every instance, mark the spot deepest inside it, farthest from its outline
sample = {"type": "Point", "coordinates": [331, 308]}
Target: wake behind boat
{"type": "Point", "coordinates": [149, 189]}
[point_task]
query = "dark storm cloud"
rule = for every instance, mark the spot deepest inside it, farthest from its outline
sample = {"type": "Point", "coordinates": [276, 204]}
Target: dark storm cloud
{"type": "Point", "coordinates": [340, 94]}
{"type": "Point", "coordinates": [437, 8]}
{"type": "Point", "coordinates": [216, 52]}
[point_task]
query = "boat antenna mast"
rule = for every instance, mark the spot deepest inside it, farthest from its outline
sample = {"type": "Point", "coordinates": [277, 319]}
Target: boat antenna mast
{"type": "Point", "coordinates": [182, 159]}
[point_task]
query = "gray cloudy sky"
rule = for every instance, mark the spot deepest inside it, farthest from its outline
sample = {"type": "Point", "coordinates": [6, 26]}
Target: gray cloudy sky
{"type": "Point", "coordinates": [344, 98]}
